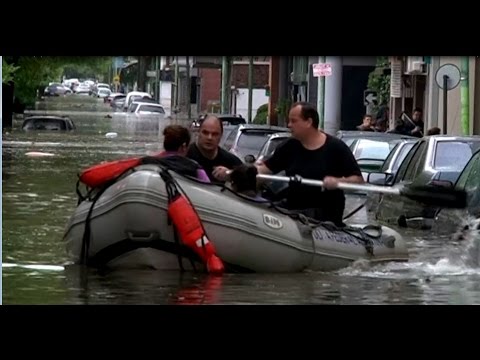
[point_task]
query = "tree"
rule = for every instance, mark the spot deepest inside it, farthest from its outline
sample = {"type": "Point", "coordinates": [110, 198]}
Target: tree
{"type": "Point", "coordinates": [33, 73]}
{"type": "Point", "coordinates": [379, 81]}
{"type": "Point", "coordinates": [7, 71]}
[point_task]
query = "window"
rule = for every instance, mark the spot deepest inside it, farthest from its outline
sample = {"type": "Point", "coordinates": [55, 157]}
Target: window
{"type": "Point", "coordinates": [232, 120]}
{"type": "Point", "coordinates": [250, 142]}
{"type": "Point", "coordinates": [151, 108]}
{"type": "Point", "coordinates": [452, 155]}
{"type": "Point", "coordinates": [132, 108]}
{"type": "Point", "coordinates": [417, 163]}
{"type": "Point", "coordinates": [230, 140]}
{"type": "Point", "coordinates": [404, 165]}
{"type": "Point", "coordinates": [470, 181]}
{"type": "Point", "coordinates": [272, 146]}
{"type": "Point", "coordinates": [45, 124]}
{"type": "Point", "coordinates": [402, 155]}
{"type": "Point", "coordinates": [348, 141]}
{"type": "Point", "coordinates": [368, 149]}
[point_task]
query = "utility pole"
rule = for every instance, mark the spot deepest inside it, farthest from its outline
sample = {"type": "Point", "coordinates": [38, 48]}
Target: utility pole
{"type": "Point", "coordinates": [464, 95]}
{"type": "Point", "coordinates": [177, 78]}
{"type": "Point", "coordinates": [157, 78]}
{"type": "Point", "coordinates": [321, 96]}
{"type": "Point", "coordinates": [189, 107]}
{"type": "Point", "coordinates": [142, 73]}
{"type": "Point", "coordinates": [250, 88]}
{"type": "Point", "coordinates": [225, 87]}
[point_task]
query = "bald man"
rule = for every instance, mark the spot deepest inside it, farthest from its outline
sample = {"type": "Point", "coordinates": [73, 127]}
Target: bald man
{"type": "Point", "coordinates": [207, 152]}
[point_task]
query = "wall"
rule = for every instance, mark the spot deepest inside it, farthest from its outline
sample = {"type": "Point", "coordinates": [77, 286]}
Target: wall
{"type": "Point", "coordinates": [476, 97]}
{"type": "Point", "coordinates": [211, 81]}
{"type": "Point", "coordinates": [454, 126]}
{"type": "Point", "coordinates": [166, 96]}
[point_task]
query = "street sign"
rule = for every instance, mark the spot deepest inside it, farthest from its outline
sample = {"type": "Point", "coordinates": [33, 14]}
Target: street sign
{"type": "Point", "coordinates": [322, 69]}
{"type": "Point", "coordinates": [370, 98]}
{"type": "Point", "coordinates": [116, 79]}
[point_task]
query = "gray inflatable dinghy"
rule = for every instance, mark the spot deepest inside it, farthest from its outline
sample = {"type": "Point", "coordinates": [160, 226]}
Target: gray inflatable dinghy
{"type": "Point", "coordinates": [127, 226]}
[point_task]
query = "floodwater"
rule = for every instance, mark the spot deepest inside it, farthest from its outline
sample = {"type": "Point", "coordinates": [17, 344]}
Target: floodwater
{"type": "Point", "coordinates": [39, 197]}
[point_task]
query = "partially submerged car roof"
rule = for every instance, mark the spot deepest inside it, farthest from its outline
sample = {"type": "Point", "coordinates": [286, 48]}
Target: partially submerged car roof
{"type": "Point", "coordinates": [48, 122]}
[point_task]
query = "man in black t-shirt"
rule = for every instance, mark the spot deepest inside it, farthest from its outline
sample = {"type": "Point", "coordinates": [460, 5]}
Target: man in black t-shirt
{"type": "Point", "coordinates": [214, 160]}
{"type": "Point", "coordinates": [315, 155]}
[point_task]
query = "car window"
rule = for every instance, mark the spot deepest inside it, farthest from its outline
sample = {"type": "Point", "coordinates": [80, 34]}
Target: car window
{"type": "Point", "coordinates": [401, 156]}
{"type": "Point", "coordinates": [418, 162]}
{"type": "Point", "coordinates": [473, 184]}
{"type": "Point", "coordinates": [369, 149]}
{"type": "Point", "coordinates": [45, 124]}
{"type": "Point", "coordinates": [250, 142]}
{"type": "Point", "coordinates": [150, 108]}
{"type": "Point", "coordinates": [469, 181]}
{"type": "Point", "coordinates": [451, 155]}
{"type": "Point", "coordinates": [408, 159]}
{"type": "Point", "coordinates": [132, 108]}
{"type": "Point", "coordinates": [232, 120]}
{"type": "Point", "coordinates": [348, 141]}
{"type": "Point", "coordinates": [230, 139]}
{"type": "Point", "coordinates": [273, 144]}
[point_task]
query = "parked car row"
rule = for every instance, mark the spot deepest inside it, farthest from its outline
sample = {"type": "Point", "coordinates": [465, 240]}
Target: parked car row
{"type": "Point", "coordinates": [438, 161]}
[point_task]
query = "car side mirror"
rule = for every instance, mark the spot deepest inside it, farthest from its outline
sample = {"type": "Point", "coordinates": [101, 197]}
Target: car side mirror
{"type": "Point", "coordinates": [249, 159]}
{"type": "Point", "coordinates": [377, 178]}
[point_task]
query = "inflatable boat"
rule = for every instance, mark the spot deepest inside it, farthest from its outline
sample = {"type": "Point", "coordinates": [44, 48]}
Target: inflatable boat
{"type": "Point", "coordinates": [128, 223]}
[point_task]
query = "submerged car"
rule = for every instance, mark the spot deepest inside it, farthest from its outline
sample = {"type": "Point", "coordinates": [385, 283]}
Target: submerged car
{"type": "Point", "coordinates": [48, 123]}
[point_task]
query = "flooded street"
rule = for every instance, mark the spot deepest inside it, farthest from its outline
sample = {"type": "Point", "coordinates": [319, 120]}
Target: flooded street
{"type": "Point", "coordinates": [39, 197]}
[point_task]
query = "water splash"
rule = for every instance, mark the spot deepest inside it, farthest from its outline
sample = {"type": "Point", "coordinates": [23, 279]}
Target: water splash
{"type": "Point", "coordinates": [461, 258]}
{"type": "Point", "coordinates": [34, 266]}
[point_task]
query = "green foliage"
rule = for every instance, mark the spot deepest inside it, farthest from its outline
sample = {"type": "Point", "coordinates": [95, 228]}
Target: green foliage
{"type": "Point", "coordinates": [35, 72]}
{"type": "Point", "coordinates": [262, 114]}
{"type": "Point", "coordinates": [380, 82]}
{"type": "Point", "coordinates": [283, 107]}
{"type": "Point", "coordinates": [7, 71]}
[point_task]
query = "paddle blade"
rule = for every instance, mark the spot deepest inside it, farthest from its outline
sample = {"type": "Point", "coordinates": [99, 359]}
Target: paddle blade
{"type": "Point", "coordinates": [437, 196]}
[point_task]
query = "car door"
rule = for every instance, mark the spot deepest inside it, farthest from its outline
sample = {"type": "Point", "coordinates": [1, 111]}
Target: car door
{"type": "Point", "coordinates": [392, 207]}
{"type": "Point", "coordinates": [452, 220]}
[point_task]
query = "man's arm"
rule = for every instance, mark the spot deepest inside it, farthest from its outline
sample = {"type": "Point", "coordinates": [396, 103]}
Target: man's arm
{"type": "Point", "coordinates": [230, 161]}
{"type": "Point", "coordinates": [262, 168]}
{"type": "Point", "coordinates": [331, 182]}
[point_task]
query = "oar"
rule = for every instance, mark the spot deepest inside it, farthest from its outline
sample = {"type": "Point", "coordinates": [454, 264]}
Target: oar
{"type": "Point", "coordinates": [404, 115]}
{"type": "Point", "coordinates": [434, 196]}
